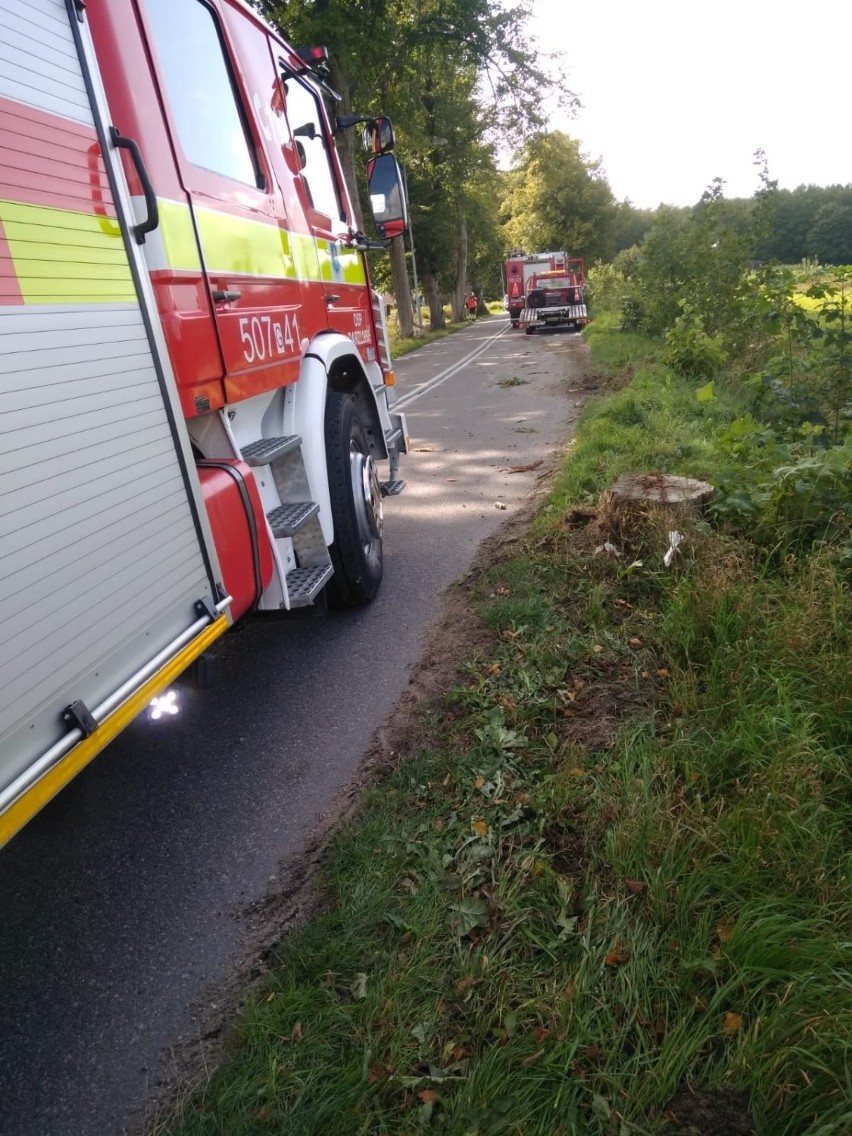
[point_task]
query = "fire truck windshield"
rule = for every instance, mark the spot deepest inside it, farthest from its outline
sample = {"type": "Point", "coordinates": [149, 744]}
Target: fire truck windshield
{"type": "Point", "coordinates": [552, 283]}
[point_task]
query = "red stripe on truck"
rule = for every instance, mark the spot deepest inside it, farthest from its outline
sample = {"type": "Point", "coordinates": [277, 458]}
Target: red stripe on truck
{"type": "Point", "coordinates": [47, 160]}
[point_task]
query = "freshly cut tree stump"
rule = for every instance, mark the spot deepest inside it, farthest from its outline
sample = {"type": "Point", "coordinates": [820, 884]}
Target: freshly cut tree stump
{"type": "Point", "coordinates": [659, 500]}
{"type": "Point", "coordinates": [679, 493]}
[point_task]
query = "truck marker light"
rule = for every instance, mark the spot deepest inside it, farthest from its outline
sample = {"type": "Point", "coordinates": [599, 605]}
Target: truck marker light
{"type": "Point", "coordinates": [164, 704]}
{"type": "Point", "coordinates": [390, 379]}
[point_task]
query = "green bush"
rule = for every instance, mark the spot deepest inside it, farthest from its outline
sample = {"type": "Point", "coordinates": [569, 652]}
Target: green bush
{"type": "Point", "coordinates": [607, 288]}
{"type": "Point", "coordinates": [690, 351]}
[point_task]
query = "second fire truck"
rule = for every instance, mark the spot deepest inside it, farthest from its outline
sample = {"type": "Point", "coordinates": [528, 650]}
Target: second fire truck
{"type": "Point", "coordinates": [520, 268]}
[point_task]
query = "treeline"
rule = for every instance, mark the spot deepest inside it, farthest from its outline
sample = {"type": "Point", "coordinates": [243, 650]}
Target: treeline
{"type": "Point", "coordinates": [466, 87]}
{"type": "Point", "coordinates": [808, 223]}
{"type": "Point", "coordinates": [811, 222]}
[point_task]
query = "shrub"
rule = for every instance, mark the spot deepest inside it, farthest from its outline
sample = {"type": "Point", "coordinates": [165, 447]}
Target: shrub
{"type": "Point", "coordinates": [607, 288]}
{"type": "Point", "coordinates": [690, 350]}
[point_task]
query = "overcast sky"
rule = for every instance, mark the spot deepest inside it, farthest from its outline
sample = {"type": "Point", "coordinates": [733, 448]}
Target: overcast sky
{"type": "Point", "coordinates": [677, 92]}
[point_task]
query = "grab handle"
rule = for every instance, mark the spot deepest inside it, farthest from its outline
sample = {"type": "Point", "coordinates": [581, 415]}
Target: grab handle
{"type": "Point", "coordinates": [153, 218]}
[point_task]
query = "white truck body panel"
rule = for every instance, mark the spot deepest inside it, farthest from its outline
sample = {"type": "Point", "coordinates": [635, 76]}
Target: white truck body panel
{"type": "Point", "coordinates": [104, 551]}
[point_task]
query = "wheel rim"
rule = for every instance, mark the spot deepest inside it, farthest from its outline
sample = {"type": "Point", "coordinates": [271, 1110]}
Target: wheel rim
{"type": "Point", "coordinates": [367, 495]}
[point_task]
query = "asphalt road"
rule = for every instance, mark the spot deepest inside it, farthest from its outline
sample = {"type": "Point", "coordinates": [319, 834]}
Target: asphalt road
{"type": "Point", "coordinates": [127, 899]}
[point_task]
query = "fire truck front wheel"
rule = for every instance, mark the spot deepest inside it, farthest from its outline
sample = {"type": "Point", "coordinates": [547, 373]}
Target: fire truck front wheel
{"type": "Point", "coordinates": [356, 506]}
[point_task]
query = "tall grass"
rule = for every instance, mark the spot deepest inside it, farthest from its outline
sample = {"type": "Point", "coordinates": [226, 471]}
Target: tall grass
{"type": "Point", "coordinates": [621, 863]}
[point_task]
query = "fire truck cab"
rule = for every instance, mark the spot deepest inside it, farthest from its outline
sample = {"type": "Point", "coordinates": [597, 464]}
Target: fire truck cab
{"type": "Point", "coordinates": [196, 390]}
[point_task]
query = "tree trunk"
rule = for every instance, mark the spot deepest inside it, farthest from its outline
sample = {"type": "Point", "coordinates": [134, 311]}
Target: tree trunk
{"type": "Point", "coordinates": [460, 287]}
{"type": "Point", "coordinates": [401, 288]}
{"type": "Point", "coordinates": [345, 143]}
{"type": "Point", "coordinates": [433, 299]}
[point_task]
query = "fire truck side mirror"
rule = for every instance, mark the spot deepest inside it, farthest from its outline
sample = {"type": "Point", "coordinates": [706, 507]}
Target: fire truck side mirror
{"type": "Point", "coordinates": [387, 196]}
{"type": "Point", "coordinates": [378, 136]}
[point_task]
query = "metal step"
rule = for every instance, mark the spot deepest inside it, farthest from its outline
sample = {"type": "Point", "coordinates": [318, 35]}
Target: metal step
{"type": "Point", "coordinates": [285, 520]}
{"type": "Point", "coordinates": [392, 488]}
{"type": "Point", "coordinates": [266, 450]}
{"type": "Point", "coordinates": [305, 584]}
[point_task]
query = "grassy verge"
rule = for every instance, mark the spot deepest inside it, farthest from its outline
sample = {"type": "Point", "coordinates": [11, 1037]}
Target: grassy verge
{"type": "Point", "coordinates": [400, 346]}
{"type": "Point", "coordinates": [607, 890]}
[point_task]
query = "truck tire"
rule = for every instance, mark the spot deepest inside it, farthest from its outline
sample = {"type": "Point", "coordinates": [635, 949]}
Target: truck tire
{"type": "Point", "coordinates": [530, 330]}
{"type": "Point", "coordinates": [356, 506]}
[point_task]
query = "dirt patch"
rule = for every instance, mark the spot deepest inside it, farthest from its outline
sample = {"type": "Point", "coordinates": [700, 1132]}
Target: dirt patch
{"type": "Point", "coordinates": [567, 852]}
{"type": "Point", "coordinates": [597, 717]}
{"type": "Point", "coordinates": [708, 1112]}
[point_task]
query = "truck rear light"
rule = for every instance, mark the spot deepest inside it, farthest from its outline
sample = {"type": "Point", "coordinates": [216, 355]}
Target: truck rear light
{"type": "Point", "coordinates": [390, 379]}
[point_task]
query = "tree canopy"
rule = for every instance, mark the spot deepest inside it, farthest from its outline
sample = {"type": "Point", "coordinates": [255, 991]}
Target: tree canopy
{"type": "Point", "coordinates": [459, 78]}
{"type": "Point", "coordinates": [558, 199]}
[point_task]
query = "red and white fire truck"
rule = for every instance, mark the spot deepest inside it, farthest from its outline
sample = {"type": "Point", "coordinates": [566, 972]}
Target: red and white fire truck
{"type": "Point", "coordinates": [555, 299]}
{"type": "Point", "coordinates": [520, 268]}
{"type": "Point", "coordinates": [195, 383]}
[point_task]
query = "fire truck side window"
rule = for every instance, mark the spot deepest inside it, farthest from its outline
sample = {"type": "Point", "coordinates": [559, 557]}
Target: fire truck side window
{"type": "Point", "coordinates": [203, 98]}
{"type": "Point", "coordinates": [305, 120]}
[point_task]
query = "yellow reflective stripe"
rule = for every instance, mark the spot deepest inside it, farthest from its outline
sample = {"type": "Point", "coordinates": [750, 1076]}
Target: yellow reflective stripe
{"type": "Point", "coordinates": [63, 256]}
{"type": "Point", "coordinates": [56, 778]}
{"type": "Point", "coordinates": [178, 236]}
{"type": "Point", "coordinates": [240, 245]}
{"type": "Point", "coordinates": [303, 249]}
{"type": "Point", "coordinates": [353, 267]}
{"type": "Point", "coordinates": [340, 265]}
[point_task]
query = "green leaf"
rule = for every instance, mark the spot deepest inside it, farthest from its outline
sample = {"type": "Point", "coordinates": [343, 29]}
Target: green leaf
{"type": "Point", "coordinates": [568, 923]}
{"type": "Point", "coordinates": [426, 1110]}
{"type": "Point", "coordinates": [706, 393]}
{"type": "Point", "coordinates": [471, 912]}
{"type": "Point", "coordinates": [600, 1107]}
